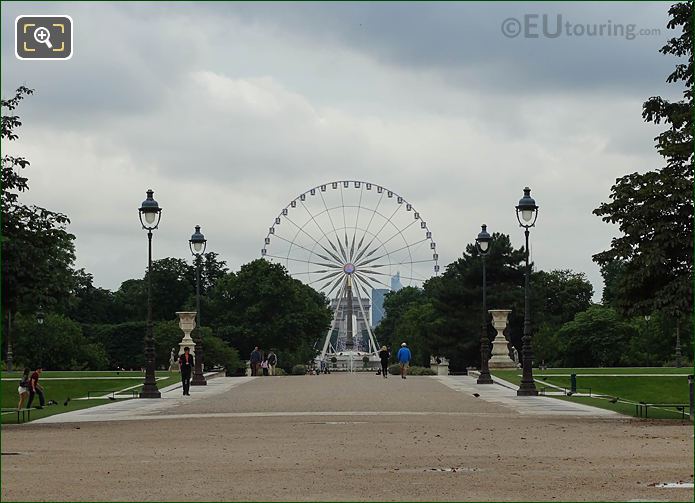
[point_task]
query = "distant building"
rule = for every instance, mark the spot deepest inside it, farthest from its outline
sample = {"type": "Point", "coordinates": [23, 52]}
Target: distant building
{"type": "Point", "coordinates": [396, 282]}
{"type": "Point", "coordinates": [378, 295]}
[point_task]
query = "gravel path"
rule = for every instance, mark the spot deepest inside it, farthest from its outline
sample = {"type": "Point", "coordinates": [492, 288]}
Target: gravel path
{"type": "Point", "coordinates": [348, 437]}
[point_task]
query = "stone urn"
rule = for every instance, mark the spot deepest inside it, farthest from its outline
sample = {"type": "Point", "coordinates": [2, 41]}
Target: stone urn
{"type": "Point", "coordinates": [500, 353]}
{"type": "Point", "coordinates": [187, 324]}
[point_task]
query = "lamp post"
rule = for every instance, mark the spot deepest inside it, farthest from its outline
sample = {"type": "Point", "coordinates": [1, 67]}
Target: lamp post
{"type": "Point", "coordinates": [198, 243]}
{"type": "Point", "coordinates": [679, 355]}
{"type": "Point", "coordinates": [483, 241]}
{"type": "Point", "coordinates": [150, 214]}
{"type": "Point", "coordinates": [40, 316]}
{"type": "Point", "coordinates": [526, 214]}
{"type": "Point", "coordinates": [648, 317]}
{"type": "Point", "coordinates": [10, 360]}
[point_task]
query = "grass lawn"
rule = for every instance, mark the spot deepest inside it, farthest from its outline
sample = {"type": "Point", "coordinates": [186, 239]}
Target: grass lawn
{"type": "Point", "coordinates": [75, 385]}
{"type": "Point", "coordinates": [670, 388]}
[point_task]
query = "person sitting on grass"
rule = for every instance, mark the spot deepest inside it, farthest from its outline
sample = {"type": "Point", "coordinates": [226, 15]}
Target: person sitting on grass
{"type": "Point", "coordinates": [34, 388]}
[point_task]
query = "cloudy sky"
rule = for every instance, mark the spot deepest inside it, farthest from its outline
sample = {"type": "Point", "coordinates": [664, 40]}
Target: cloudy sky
{"type": "Point", "coordinates": [229, 110]}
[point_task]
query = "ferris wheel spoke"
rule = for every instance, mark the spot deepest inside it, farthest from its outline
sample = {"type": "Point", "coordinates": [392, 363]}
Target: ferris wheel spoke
{"type": "Point", "coordinates": [366, 230]}
{"type": "Point", "coordinates": [292, 243]}
{"type": "Point", "coordinates": [390, 253]}
{"type": "Point", "coordinates": [367, 272]}
{"type": "Point", "coordinates": [301, 229]}
{"type": "Point", "coordinates": [357, 221]}
{"type": "Point", "coordinates": [399, 232]}
{"type": "Point", "coordinates": [374, 280]}
{"type": "Point", "coordinates": [303, 261]}
{"type": "Point", "coordinates": [331, 276]}
{"type": "Point", "coordinates": [402, 263]}
{"type": "Point", "coordinates": [322, 232]}
{"type": "Point", "coordinates": [328, 213]}
{"type": "Point", "coordinates": [388, 220]}
{"type": "Point", "coordinates": [364, 314]}
{"type": "Point", "coordinates": [340, 279]}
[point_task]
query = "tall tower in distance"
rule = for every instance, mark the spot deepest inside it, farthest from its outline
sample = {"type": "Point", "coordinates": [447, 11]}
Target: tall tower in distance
{"type": "Point", "coordinates": [396, 282]}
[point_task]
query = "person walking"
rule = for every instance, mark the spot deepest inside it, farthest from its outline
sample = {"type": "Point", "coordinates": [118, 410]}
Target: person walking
{"type": "Point", "coordinates": [35, 387]}
{"type": "Point", "coordinates": [384, 356]}
{"type": "Point", "coordinates": [186, 365]}
{"type": "Point", "coordinates": [272, 362]}
{"type": "Point", "coordinates": [23, 388]}
{"type": "Point", "coordinates": [255, 361]}
{"type": "Point", "coordinates": [403, 358]}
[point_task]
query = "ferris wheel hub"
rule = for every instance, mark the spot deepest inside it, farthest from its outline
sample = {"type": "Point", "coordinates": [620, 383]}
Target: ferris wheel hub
{"type": "Point", "coordinates": [349, 268]}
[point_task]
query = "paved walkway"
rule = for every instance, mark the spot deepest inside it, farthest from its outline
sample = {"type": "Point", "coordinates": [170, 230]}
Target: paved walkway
{"type": "Point", "coordinates": [504, 394]}
{"type": "Point", "coordinates": [345, 437]}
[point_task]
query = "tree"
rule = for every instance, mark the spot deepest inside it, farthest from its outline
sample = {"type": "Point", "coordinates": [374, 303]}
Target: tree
{"type": "Point", "coordinates": [261, 305]}
{"type": "Point", "coordinates": [557, 296]}
{"type": "Point", "coordinates": [654, 210]}
{"type": "Point", "coordinates": [173, 286]}
{"type": "Point", "coordinates": [456, 298]}
{"type": "Point", "coordinates": [596, 337]}
{"type": "Point", "coordinates": [37, 250]}
{"type": "Point", "coordinates": [56, 344]}
{"type": "Point", "coordinates": [89, 304]}
{"type": "Point", "coordinates": [396, 304]}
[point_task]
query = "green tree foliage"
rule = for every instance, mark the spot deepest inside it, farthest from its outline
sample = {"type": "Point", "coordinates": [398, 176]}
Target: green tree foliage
{"type": "Point", "coordinates": [123, 342]}
{"type": "Point", "coordinates": [596, 337]}
{"type": "Point", "coordinates": [220, 354]}
{"type": "Point", "coordinates": [261, 305]}
{"type": "Point", "coordinates": [396, 304]}
{"type": "Point", "coordinates": [57, 344]}
{"type": "Point", "coordinates": [173, 285]}
{"type": "Point", "coordinates": [456, 298]}
{"type": "Point", "coordinates": [37, 250]}
{"type": "Point", "coordinates": [654, 210]}
{"type": "Point", "coordinates": [90, 304]}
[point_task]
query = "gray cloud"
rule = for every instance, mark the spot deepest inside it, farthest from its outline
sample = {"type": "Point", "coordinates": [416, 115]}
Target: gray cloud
{"type": "Point", "coordinates": [230, 110]}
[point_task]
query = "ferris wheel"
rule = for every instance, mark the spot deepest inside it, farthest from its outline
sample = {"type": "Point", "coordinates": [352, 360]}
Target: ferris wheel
{"type": "Point", "coordinates": [353, 241]}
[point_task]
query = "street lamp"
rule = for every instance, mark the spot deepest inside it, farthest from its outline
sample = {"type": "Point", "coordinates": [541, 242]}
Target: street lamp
{"type": "Point", "coordinates": [198, 243]}
{"type": "Point", "coordinates": [150, 214]}
{"type": "Point", "coordinates": [40, 316]}
{"type": "Point", "coordinates": [526, 214]}
{"type": "Point", "coordinates": [483, 241]}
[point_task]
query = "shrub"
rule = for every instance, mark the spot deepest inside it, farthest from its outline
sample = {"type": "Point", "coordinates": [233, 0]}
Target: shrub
{"type": "Point", "coordinates": [413, 371]}
{"type": "Point", "coordinates": [299, 370]}
{"type": "Point", "coordinates": [280, 372]}
{"type": "Point", "coordinates": [421, 371]}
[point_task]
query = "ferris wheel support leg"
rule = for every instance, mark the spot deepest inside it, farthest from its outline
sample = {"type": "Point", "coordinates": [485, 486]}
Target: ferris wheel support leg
{"type": "Point", "coordinates": [372, 340]}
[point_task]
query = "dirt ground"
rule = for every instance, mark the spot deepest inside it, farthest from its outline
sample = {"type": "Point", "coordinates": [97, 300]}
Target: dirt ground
{"type": "Point", "coordinates": [413, 439]}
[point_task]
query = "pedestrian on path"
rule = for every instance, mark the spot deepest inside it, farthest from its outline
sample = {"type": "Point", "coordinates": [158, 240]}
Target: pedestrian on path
{"type": "Point", "coordinates": [403, 358]}
{"type": "Point", "coordinates": [384, 356]}
{"type": "Point", "coordinates": [272, 362]}
{"type": "Point", "coordinates": [35, 387]}
{"type": "Point", "coordinates": [255, 361]}
{"type": "Point", "coordinates": [264, 366]}
{"type": "Point", "coordinates": [186, 367]}
{"type": "Point", "coordinates": [23, 388]}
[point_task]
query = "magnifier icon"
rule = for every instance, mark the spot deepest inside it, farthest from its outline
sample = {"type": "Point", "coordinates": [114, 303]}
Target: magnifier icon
{"type": "Point", "coordinates": [43, 36]}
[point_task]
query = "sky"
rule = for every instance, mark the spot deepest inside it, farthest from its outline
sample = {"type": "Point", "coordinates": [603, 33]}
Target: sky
{"type": "Point", "coordinates": [229, 111]}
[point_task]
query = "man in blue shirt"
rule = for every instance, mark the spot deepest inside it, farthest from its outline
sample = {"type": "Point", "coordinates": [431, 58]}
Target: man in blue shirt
{"type": "Point", "coordinates": [403, 358]}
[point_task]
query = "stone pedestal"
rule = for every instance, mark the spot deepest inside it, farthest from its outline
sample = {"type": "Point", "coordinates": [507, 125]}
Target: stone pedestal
{"type": "Point", "coordinates": [440, 365]}
{"type": "Point", "coordinates": [500, 354]}
{"type": "Point", "coordinates": [187, 324]}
